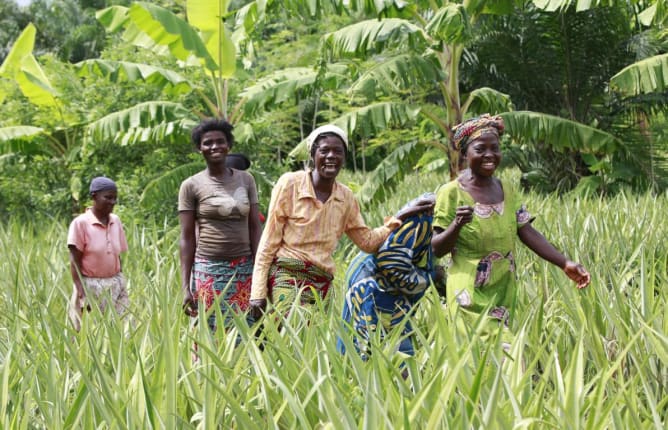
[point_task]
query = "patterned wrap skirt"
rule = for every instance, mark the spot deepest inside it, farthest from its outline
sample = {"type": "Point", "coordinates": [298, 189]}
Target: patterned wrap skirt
{"type": "Point", "coordinates": [290, 278]}
{"type": "Point", "coordinates": [226, 281]}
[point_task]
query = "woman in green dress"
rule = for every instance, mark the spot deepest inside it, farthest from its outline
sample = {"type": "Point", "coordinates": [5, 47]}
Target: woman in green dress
{"type": "Point", "coordinates": [477, 218]}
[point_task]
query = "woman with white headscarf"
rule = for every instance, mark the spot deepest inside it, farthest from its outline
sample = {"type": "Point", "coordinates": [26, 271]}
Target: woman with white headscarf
{"type": "Point", "coordinates": [309, 211]}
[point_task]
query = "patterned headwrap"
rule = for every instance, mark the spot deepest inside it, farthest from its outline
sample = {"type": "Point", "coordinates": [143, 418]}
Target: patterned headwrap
{"type": "Point", "coordinates": [473, 128]}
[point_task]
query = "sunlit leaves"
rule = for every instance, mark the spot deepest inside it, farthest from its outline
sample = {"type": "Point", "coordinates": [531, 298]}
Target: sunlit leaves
{"type": "Point", "coordinates": [450, 24]}
{"type": "Point", "coordinates": [21, 66]}
{"type": "Point", "coordinates": [647, 76]}
{"type": "Point", "coordinates": [117, 71]}
{"type": "Point", "coordinates": [396, 74]}
{"type": "Point", "coordinates": [370, 36]}
{"type": "Point", "coordinates": [153, 27]}
{"type": "Point", "coordinates": [209, 17]}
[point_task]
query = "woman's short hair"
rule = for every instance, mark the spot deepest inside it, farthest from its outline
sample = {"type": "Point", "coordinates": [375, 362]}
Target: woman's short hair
{"type": "Point", "coordinates": [212, 124]}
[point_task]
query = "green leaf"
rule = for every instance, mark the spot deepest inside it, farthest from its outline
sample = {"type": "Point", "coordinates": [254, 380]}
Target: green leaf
{"type": "Point", "coordinates": [485, 99]}
{"type": "Point", "coordinates": [647, 76]}
{"type": "Point", "coordinates": [113, 18]}
{"type": "Point", "coordinates": [116, 71]}
{"type": "Point", "coordinates": [390, 171]}
{"type": "Point", "coordinates": [589, 185]}
{"type": "Point", "coordinates": [22, 47]}
{"type": "Point", "coordinates": [206, 15]}
{"type": "Point", "coordinates": [397, 73]}
{"type": "Point", "coordinates": [164, 187]}
{"type": "Point", "coordinates": [450, 24]}
{"type": "Point", "coordinates": [21, 66]}
{"type": "Point", "coordinates": [138, 123]}
{"type": "Point", "coordinates": [18, 132]}
{"type": "Point", "coordinates": [559, 133]}
{"type": "Point", "coordinates": [21, 139]}
{"type": "Point", "coordinates": [278, 87]}
{"type": "Point", "coordinates": [209, 17]}
{"type": "Point", "coordinates": [153, 27]}
{"type": "Point", "coordinates": [580, 5]}
{"type": "Point", "coordinates": [291, 83]}
{"type": "Point", "coordinates": [371, 36]}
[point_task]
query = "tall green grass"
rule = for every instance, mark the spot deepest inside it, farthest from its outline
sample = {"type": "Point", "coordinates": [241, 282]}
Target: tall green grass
{"type": "Point", "coordinates": [591, 359]}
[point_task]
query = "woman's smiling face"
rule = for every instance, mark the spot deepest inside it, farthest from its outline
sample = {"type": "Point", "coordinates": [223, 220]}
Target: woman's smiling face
{"type": "Point", "coordinates": [329, 156]}
{"type": "Point", "coordinates": [214, 146]}
{"type": "Point", "coordinates": [484, 154]}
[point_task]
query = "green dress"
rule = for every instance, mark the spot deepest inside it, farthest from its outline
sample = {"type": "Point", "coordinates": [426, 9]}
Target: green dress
{"type": "Point", "coordinates": [482, 272]}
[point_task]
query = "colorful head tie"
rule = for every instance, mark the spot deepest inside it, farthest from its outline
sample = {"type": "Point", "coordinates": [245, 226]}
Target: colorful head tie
{"type": "Point", "coordinates": [473, 128]}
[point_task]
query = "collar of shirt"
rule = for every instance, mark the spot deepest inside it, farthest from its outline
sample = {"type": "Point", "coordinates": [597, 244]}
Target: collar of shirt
{"type": "Point", "coordinates": [92, 219]}
{"type": "Point", "coordinates": [306, 190]}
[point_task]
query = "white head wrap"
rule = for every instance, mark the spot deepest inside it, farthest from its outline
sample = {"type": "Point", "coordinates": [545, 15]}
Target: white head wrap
{"type": "Point", "coordinates": [325, 129]}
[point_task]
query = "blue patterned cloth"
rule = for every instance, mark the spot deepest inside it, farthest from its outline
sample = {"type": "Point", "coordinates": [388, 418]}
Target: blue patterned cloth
{"type": "Point", "coordinates": [383, 288]}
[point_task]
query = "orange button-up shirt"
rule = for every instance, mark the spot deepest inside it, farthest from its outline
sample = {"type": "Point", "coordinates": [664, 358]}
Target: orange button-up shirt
{"type": "Point", "coordinates": [302, 227]}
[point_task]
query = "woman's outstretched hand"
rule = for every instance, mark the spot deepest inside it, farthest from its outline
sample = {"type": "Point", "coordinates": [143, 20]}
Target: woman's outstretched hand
{"type": "Point", "coordinates": [577, 273]}
{"type": "Point", "coordinates": [422, 205]}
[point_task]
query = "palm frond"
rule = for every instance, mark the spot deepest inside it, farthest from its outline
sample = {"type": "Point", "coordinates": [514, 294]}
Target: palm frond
{"type": "Point", "coordinates": [397, 74]}
{"type": "Point", "coordinates": [371, 36]}
{"type": "Point", "coordinates": [117, 71]}
{"type": "Point", "coordinates": [26, 139]}
{"type": "Point", "coordinates": [389, 172]}
{"type": "Point", "coordinates": [19, 131]}
{"type": "Point", "coordinates": [286, 84]}
{"type": "Point", "coordinates": [580, 5]}
{"type": "Point", "coordinates": [559, 133]}
{"type": "Point", "coordinates": [165, 187]}
{"type": "Point", "coordinates": [482, 100]}
{"type": "Point", "coordinates": [143, 122]}
{"type": "Point", "coordinates": [450, 24]}
{"type": "Point", "coordinates": [647, 76]}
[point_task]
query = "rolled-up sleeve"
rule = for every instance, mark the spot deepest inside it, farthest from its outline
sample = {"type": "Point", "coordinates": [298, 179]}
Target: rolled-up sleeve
{"type": "Point", "coordinates": [366, 238]}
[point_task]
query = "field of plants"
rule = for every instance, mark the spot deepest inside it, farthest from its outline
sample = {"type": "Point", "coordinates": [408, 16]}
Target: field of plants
{"type": "Point", "coordinates": [591, 359]}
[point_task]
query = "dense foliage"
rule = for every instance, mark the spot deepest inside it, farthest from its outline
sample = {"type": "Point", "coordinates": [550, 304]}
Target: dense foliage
{"type": "Point", "coordinates": [125, 111]}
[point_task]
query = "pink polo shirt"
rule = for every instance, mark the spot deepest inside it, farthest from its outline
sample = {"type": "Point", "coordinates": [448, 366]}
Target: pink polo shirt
{"type": "Point", "coordinates": [101, 245]}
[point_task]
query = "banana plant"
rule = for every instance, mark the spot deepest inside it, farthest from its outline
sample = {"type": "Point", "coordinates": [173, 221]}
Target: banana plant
{"type": "Point", "coordinates": [21, 67]}
{"type": "Point", "coordinates": [422, 44]}
{"type": "Point", "coordinates": [62, 142]}
{"type": "Point", "coordinates": [201, 41]}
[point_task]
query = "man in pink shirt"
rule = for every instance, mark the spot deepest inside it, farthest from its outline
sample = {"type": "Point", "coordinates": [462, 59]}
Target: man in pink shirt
{"type": "Point", "coordinates": [95, 241]}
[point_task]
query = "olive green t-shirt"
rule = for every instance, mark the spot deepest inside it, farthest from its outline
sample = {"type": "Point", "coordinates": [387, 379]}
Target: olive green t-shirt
{"type": "Point", "coordinates": [221, 210]}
